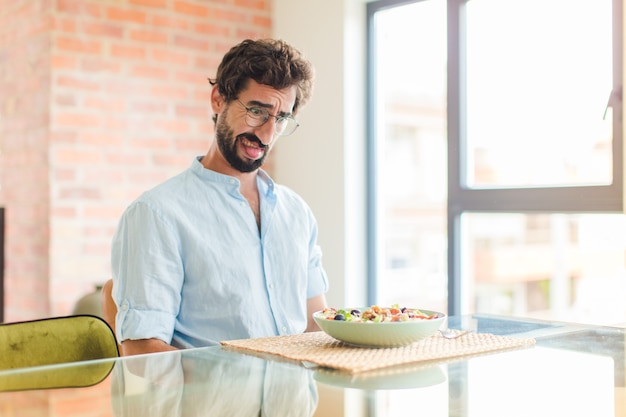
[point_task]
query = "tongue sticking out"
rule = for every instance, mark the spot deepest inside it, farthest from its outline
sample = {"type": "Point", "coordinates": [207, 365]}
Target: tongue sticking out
{"type": "Point", "coordinates": [252, 150]}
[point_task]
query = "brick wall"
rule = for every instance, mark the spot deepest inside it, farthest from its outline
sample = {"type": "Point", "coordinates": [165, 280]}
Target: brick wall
{"type": "Point", "coordinates": [24, 124]}
{"type": "Point", "coordinates": [99, 100]}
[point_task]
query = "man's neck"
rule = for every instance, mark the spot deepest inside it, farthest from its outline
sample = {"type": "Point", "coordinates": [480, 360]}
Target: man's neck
{"type": "Point", "coordinates": [216, 162]}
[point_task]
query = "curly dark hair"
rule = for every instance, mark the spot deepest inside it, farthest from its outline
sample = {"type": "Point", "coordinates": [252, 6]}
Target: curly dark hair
{"type": "Point", "coordinates": [267, 61]}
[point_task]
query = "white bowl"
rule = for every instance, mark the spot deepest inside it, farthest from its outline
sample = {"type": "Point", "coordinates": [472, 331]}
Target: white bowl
{"type": "Point", "coordinates": [383, 334]}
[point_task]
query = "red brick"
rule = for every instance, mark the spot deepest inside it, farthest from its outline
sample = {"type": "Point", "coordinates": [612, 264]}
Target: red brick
{"type": "Point", "coordinates": [198, 78]}
{"type": "Point", "coordinates": [74, 157]}
{"type": "Point", "coordinates": [115, 104]}
{"type": "Point", "coordinates": [172, 160]}
{"type": "Point", "coordinates": [172, 126]}
{"type": "Point", "coordinates": [134, 160]}
{"type": "Point", "coordinates": [62, 136]}
{"type": "Point", "coordinates": [148, 36]}
{"type": "Point", "coordinates": [125, 15]}
{"type": "Point", "coordinates": [67, 212]}
{"type": "Point", "coordinates": [227, 15]}
{"type": "Point", "coordinates": [191, 42]}
{"type": "Point", "coordinates": [252, 4]}
{"type": "Point", "coordinates": [95, 174]}
{"type": "Point", "coordinates": [150, 3]}
{"type": "Point", "coordinates": [194, 145]}
{"type": "Point", "coordinates": [78, 193]}
{"type": "Point", "coordinates": [65, 174]}
{"type": "Point", "coordinates": [103, 29]}
{"type": "Point", "coordinates": [115, 123]}
{"type": "Point", "coordinates": [67, 119]}
{"type": "Point", "coordinates": [262, 21]}
{"type": "Point", "coordinates": [102, 249]}
{"type": "Point", "coordinates": [145, 71]}
{"type": "Point", "coordinates": [59, 62]}
{"type": "Point", "coordinates": [149, 107]}
{"type": "Point", "coordinates": [64, 24]}
{"type": "Point", "coordinates": [207, 127]}
{"type": "Point", "coordinates": [128, 51]}
{"type": "Point", "coordinates": [191, 9]}
{"type": "Point", "coordinates": [212, 29]}
{"type": "Point", "coordinates": [195, 112]}
{"type": "Point", "coordinates": [151, 143]}
{"type": "Point", "coordinates": [208, 62]}
{"type": "Point", "coordinates": [65, 100]}
{"type": "Point", "coordinates": [100, 139]}
{"type": "Point", "coordinates": [78, 45]}
{"type": "Point", "coordinates": [99, 232]}
{"type": "Point", "coordinates": [101, 65]}
{"type": "Point", "coordinates": [79, 7]}
{"type": "Point", "coordinates": [173, 92]}
{"type": "Point", "coordinates": [170, 56]}
{"type": "Point", "coordinates": [170, 22]}
{"type": "Point", "coordinates": [102, 212]}
{"type": "Point", "coordinates": [77, 83]}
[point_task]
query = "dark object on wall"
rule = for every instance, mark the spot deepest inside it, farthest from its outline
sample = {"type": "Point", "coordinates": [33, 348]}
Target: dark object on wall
{"type": "Point", "coordinates": [1, 264]}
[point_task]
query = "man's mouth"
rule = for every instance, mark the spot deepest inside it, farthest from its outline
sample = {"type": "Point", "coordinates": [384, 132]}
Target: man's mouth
{"type": "Point", "coordinates": [253, 147]}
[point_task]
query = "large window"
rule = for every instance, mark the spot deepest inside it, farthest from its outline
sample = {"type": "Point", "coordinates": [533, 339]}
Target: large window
{"type": "Point", "coordinates": [496, 157]}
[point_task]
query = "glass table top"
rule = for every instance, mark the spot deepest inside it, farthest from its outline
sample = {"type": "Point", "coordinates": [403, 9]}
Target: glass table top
{"type": "Point", "coordinates": [572, 370]}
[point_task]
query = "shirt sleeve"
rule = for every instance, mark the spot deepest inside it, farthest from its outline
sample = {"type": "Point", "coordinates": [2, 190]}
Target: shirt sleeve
{"type": "Point", "coordinates": [147, 274]}
{"type": "Point", "coordinates": [317, 279]}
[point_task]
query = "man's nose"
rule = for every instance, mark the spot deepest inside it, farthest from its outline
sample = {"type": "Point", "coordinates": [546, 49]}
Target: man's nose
{"type": "Point", "coordinates": [266, 132]}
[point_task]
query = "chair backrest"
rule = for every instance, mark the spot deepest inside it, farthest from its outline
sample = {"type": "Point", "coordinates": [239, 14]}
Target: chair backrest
{"type": "Point", "coordinates": [55, 340]}
{"type": "Point", "coordinates": [109, 309]}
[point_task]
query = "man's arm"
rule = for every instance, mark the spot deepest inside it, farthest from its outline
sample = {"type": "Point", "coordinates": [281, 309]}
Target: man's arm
{"type": "Point", "coordinates": [137, 347]}
{"type": "Point", "coordinates": [312, 305]}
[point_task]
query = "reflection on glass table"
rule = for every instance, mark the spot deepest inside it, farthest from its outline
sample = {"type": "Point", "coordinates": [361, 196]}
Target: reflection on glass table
{"type": "Point", "coordinates": [211, 382]}
{"type": "Point", "coordinates": [572, 370]}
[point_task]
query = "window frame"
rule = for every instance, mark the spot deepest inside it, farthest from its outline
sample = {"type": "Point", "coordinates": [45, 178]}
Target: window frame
{"type": "Point", "coordinates": [461, 199]}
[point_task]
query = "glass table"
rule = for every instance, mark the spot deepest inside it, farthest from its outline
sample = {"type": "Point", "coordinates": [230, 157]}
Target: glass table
{"type": "Point", "coordinates": [573, 370]}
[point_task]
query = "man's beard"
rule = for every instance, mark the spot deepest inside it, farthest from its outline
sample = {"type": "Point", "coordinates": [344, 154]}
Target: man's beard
{"type": "Point", "coordinates": [227, 143]}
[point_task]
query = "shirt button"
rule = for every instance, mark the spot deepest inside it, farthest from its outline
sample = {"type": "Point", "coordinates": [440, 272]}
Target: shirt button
{"type": "Point", "coordinates": [124, 306]}
{"type": "Point", "coordinates": [271, 286]}
{"type": "Point", "coordinates": [284, 329]}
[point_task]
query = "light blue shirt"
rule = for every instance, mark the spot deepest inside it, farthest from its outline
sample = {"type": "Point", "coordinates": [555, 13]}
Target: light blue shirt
{"type": "Point", "coordinates": [191, 268]}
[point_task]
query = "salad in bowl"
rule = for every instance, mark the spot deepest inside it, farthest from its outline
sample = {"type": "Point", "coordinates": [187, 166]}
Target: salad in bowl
{"type": "Point", "coordinates": [377, 326]}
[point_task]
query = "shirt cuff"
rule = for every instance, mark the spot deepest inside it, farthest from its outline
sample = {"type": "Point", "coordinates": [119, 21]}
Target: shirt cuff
{"type": "Point", "coordinates": [144, 324]}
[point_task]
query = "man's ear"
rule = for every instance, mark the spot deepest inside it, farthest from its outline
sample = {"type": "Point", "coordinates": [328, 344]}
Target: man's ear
{"type": "Point", "coordinates": [217, 101]}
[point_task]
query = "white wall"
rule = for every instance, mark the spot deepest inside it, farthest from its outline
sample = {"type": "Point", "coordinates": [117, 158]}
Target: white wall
{"type": "Point", "coordinates": [324, 160]}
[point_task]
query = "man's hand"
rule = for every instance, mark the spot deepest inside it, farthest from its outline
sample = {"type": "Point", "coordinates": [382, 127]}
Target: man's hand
{"type": "Point", "coordinates": [312, 305]}
{"type": "Point", "coordinates": [137, 347]}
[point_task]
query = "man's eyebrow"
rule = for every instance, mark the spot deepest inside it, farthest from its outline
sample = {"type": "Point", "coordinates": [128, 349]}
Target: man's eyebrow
{"type": "Point", "coordinates": [257, 103]}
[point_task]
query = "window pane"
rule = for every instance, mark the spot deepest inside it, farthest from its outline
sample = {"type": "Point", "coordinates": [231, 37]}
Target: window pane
{"type": "Point", "coordinates": [539, 76]}
{"type": "Point", "coordinates": [557, 266]}
{"type": "Point", "coordinates": [411, 154]}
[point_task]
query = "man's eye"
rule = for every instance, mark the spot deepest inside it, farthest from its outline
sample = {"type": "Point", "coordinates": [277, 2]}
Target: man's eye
{"type": "Point", "coordinates": [256, 112]}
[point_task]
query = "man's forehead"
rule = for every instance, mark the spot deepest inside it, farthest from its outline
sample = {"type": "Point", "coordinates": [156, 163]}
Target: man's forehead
{"type": "Point", "coordinates": [268, 96]}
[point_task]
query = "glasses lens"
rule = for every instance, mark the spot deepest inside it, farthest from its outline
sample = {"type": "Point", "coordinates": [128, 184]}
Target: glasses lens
{"type": "Point", "coordinates": [286, 126]}
{"type": "Point", "coordinates": [256, 117]}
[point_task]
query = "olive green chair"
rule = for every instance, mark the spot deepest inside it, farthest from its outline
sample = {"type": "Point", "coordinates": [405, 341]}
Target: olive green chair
{"type": "Point", "coordinates": [79, 345]}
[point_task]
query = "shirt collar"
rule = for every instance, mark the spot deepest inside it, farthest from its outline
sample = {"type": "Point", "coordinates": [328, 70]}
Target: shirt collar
{"type": "Point", "coordinates": [264, 181]}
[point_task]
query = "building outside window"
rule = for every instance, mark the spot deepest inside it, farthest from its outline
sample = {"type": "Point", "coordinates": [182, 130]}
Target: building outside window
{"type": "Point", "coordinates": [495, 155]}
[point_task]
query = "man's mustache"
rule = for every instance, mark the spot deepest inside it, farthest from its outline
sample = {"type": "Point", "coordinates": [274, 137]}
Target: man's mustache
{"type": "Point", "coordinates": [253, 138]}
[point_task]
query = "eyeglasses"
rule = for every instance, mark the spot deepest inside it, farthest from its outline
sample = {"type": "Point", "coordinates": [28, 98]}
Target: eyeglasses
{"type": "Point", "coordinates": [258, 116]}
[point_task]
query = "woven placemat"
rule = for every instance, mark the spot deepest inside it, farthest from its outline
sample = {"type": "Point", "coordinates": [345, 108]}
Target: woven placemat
{"type": "Point", "coordinates": [323, 350]}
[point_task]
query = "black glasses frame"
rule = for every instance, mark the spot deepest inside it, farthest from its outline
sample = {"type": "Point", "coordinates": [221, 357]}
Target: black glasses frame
{"type": "Point", "coordinates": [261, 115]}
